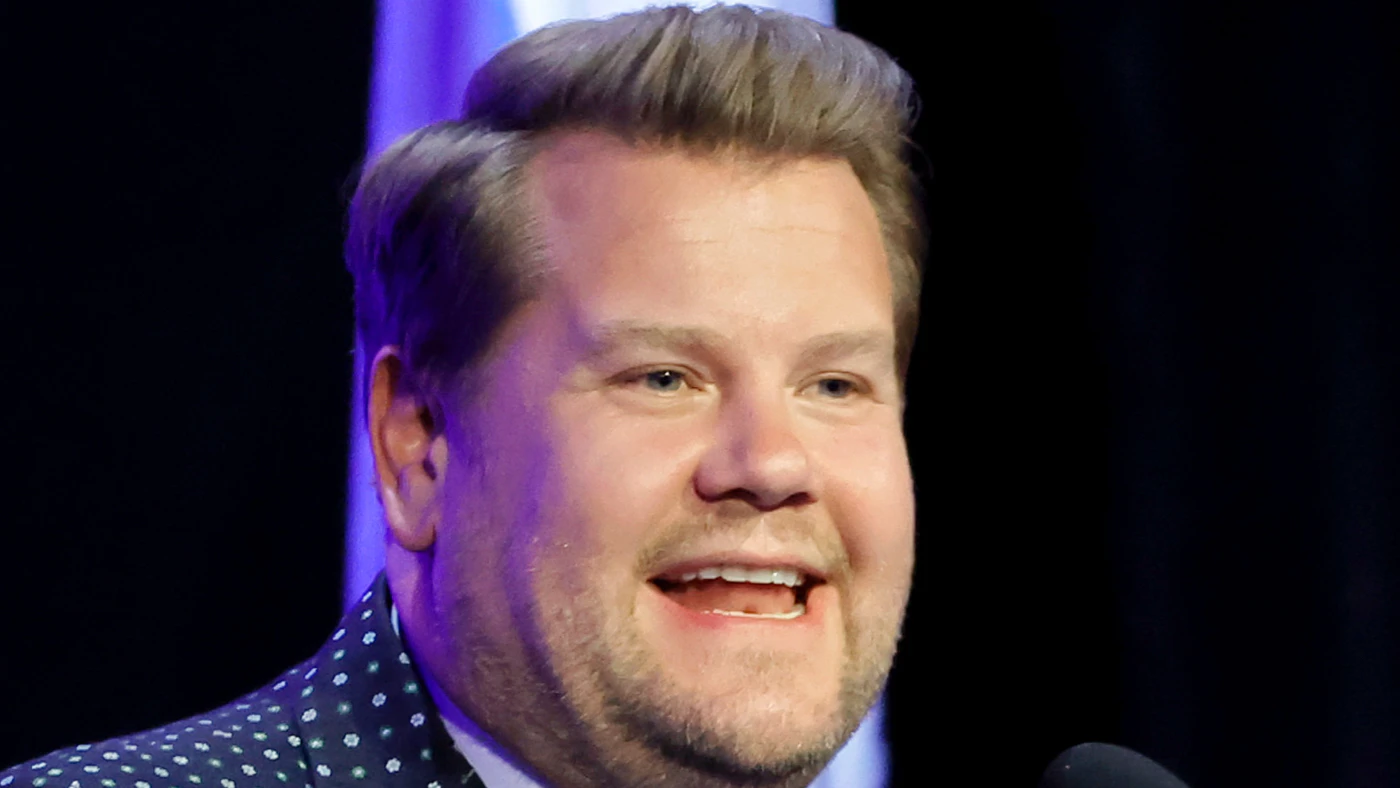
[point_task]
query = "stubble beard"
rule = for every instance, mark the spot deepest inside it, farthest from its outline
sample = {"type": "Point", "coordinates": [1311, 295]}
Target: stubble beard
{"type": "Point", "coordinates": [656, 732]}
{"type": "Point", "coordinates": [587, 700]}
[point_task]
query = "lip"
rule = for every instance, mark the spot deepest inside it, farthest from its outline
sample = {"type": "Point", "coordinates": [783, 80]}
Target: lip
{"type": "Point", "coordinates": [812, 620]}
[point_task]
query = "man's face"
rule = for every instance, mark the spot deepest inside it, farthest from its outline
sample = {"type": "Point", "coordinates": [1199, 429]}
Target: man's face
{"type": "Point", "coordinates": [678, 525]}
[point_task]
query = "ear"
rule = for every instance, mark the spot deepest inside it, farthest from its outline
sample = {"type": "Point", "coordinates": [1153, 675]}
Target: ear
{"type": "Point", "coordinates": [410, 453]}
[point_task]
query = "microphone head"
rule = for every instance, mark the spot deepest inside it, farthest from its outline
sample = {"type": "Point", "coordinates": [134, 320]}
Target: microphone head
{"type": "Point", "coordinates": [1106, 766]}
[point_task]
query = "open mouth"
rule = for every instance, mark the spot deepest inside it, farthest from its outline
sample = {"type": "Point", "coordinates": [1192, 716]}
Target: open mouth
{"type": "Point", "coordinates": [777, 593]}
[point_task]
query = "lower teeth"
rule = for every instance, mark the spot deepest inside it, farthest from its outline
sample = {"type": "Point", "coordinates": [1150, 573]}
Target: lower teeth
{"type": "Point", "coordinates": [788, 616]}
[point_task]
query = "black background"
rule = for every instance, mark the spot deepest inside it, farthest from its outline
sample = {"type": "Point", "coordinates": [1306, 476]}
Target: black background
{"type": "Point", "coordinates": [1151, 408]}
{"type": "Point", "coordinates": [177, 355]}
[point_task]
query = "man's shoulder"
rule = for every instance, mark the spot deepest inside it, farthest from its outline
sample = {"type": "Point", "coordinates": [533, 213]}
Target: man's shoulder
{"type": "Point", "coordinates": [355, 714]}
{"type": "Point", "coordinates": [253, 741]}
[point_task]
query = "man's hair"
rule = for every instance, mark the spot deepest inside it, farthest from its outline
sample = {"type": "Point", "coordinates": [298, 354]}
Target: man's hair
{"type": "Point", "coordinates": [441, 242]}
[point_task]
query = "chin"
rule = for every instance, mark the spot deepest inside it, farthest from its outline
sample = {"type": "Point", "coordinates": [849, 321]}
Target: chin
{"type": "Point", "coordinates": [660, 704]}
{"type": "Point", "coordinates": [717, 733]}
{"type": "Point", "coordinates": [732, 753]}
{"type": "Point", "coordinates": [768, 744]}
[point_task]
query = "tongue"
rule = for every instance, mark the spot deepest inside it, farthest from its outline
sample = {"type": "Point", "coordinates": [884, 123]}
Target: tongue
{"type": "Point", "coordinates": [707, 595]}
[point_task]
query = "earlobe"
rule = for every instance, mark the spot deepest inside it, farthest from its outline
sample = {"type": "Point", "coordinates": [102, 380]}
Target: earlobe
{"type": "Point", "coordinates": [410, 453]}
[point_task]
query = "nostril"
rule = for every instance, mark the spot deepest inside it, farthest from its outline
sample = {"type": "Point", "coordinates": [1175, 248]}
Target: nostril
{"type": "Point", "coordinates": [758, 500]}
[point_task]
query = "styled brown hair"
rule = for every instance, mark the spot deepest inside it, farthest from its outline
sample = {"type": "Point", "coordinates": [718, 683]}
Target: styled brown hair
{"type": "Point", "coordinates": [440, 240]}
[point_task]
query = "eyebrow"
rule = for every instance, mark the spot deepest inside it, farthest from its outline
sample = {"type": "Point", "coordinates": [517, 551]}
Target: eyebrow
{"type": "Point", "coordinates": [848, 344]}
{"type": "Point", "coordinates": [824, 348]}
{"type": "Point", "coordinates": [609, 337]}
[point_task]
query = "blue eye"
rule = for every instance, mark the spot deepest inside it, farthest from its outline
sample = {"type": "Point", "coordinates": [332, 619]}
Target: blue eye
{"type": "Point", "coordinates": [837, 388]}
{"type": "Point", "coordinates": [664, 380]}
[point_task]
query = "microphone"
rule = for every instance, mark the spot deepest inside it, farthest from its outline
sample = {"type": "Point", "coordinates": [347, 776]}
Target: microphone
{"type": "Point", "coordinates": [1106, 766]}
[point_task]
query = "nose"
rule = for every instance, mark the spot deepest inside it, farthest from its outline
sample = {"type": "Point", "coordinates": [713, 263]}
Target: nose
{"type": "Point", "coordinates": [756, 456]}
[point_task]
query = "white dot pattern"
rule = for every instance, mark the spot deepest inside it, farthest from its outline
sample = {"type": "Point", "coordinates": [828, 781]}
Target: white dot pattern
{"type": "Point", "coordinates": [353, 715]}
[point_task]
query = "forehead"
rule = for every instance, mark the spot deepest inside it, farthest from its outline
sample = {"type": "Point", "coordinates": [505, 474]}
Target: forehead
{"type": "Point", "coordinates": [595, 177]}
{"type": "Point", "coordinates": [661, 232]}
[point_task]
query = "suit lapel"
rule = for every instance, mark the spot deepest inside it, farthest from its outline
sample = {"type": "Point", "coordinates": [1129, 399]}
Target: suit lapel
{"type": "Point", "coordinates": [363, 714]}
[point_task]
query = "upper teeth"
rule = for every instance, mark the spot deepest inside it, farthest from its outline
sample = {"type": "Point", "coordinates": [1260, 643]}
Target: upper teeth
{"type": "Point", "coordinates": [738, 574]}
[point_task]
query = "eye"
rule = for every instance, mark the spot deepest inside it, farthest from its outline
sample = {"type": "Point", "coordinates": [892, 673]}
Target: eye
{"type": "Point", "coordinates": [665, 381]}
{"type": "Point", "coordinates": [835, 388]}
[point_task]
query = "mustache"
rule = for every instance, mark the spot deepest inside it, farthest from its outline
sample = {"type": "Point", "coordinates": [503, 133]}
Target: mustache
{"type": "Point", "coordinates": [732, 525]}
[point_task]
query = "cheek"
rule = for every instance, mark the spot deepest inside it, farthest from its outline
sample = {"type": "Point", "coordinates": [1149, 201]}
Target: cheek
{"type": "Point", "coordinates": [502, 470]}
{"type": "Point", "coordinates": [625, 477]}
{"type": "Point", "coordinates": [870, 493]}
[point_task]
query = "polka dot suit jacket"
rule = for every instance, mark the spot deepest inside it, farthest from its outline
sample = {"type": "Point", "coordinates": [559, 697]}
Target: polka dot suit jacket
{"type": "Point", "coordinates": [355, 715]}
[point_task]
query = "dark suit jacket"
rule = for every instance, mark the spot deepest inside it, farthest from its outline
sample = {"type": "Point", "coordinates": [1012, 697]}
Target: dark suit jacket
{"type": "Point", "coordinates": [356, 714]}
